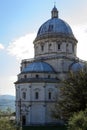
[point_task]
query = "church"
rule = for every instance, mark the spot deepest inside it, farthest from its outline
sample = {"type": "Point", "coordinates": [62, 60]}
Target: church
{"type": "Point", "coordinates": [38, 82]}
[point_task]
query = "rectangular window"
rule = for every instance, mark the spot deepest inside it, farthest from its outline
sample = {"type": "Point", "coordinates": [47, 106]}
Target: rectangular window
{"type": "Point", "coordinates": [24, 95]}
{"type": "Point", "coordinates": [49, 95]}
{"type": "Point", "coordinates": [42, 48]}
{"type": "Point", "coordinates": [58, 46]}
{"type": "Point", "coordinates": [36, 95]}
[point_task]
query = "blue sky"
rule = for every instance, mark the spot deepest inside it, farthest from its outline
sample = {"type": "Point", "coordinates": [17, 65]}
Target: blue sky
{"type": "Point", "coordinates": [19, 23]}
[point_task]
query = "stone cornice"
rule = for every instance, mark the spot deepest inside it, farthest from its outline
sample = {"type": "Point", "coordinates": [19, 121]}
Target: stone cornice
{"type": "Point", "coordinates": [54, 36]}
{"type": "Point", "coordinates": [49, 57]}
{"type": "Point", "coordinates": [37, 80]}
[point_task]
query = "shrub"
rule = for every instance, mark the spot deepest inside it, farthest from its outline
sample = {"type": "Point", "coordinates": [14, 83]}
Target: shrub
{"type": "Point", "coordinates": [78, 121]}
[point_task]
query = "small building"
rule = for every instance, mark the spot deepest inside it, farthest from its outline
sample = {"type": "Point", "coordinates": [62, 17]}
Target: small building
{"type": "Point", "coordinates": [40, 78]}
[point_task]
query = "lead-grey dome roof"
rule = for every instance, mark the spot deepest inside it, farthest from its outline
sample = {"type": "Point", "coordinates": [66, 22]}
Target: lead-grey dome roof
{"type": "Point", "coordinates": [55, 25]}
{"type": "Point", "coordinates": [77, 66]}
{"type": "Point", "coordinates": [41, 67]}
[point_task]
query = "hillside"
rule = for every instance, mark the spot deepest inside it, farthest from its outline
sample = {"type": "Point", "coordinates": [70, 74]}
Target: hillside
{"type": "Point", "coordinates": [7, 101]}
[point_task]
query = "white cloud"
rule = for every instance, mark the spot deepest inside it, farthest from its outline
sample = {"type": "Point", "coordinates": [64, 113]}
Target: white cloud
{"type": "Point", "coordinates": [22, 47]}
{"type": "Point", "coordinates": [12, 78]}
{"type": "Point", "coordinates": [1, 47]}
{"type": "Point", "coordinates": [80, 33]}
{"type": "Point", "coordinates": [8, 86]}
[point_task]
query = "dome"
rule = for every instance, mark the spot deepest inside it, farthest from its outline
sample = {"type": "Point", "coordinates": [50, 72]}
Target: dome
{"type": "Point", "coordinates": [55, 25]}
{"type": "Point", "coordinates": [77, 66]}
{"type": "Point", "coordinates": [38, 67]}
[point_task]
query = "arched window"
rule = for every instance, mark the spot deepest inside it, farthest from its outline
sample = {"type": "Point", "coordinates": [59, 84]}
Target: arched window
{"type": "Point", "coordinates": [24, 95]}
{"type": "Point", "coordinates": [36, 95]}
{"type": "Point", "coordinates": [49, 95]}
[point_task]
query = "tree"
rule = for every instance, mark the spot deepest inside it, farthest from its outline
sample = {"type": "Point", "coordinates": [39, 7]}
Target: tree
{"type": "Point", "coordinates": [5, 122]}
{"type": "Point", "coordinates": [78, 121]}
{"type": "Point", "coordinates": [73, 96]}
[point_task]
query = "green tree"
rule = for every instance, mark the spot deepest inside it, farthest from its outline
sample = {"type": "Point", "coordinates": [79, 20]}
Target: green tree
{"type": "Point", "coordinates": [78, 121]}
{"type": "Point", "coordinates": [73, 96]}
{"type": "Point", "coordinates": [5, 122]}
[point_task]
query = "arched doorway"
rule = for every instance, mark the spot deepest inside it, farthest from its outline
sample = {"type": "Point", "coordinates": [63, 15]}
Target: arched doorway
{"type": "Point", "coordinates": [23, 120]}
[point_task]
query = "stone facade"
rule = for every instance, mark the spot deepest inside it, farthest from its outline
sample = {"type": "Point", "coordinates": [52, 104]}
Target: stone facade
{"type": "Point", "coordinates": [40, 78]}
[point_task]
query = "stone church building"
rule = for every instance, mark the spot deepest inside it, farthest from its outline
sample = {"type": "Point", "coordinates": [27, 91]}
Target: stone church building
{"type": "Point", "coordinates": [40, 78]}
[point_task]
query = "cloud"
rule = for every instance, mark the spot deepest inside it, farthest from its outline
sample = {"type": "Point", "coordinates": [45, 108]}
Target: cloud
{"type": "Point", "coordinates": [12, 78]}
{"type": "Point", "coordinates": [8, 86]}
{"type": "Point", "coordinates": [80, 33]}
{"type": "Point", "coordinates": [1, 47]}
{"type": "Point", "coordinates": [22, 48]}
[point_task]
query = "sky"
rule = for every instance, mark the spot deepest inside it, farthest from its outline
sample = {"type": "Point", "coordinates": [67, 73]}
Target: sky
{"type": "Point", "coordinates": [19, 24]}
